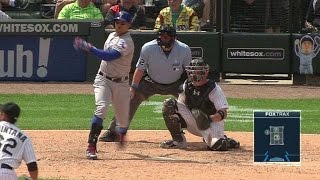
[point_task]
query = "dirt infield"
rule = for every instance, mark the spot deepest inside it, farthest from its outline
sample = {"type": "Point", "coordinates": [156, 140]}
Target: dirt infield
{"type": "Point", "coordinates": [61, 153]}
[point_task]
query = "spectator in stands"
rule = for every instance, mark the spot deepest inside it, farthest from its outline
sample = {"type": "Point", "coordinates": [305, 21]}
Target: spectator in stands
{"type": "Point", "coordinates": [103, 4]}
{"type": "Point", "coordinates": [179, 16]}
{"type": "Point", "coordinates": [312, 19]}
{"type": "Point", "coordinates": [81, 9]}
{"type": "Point", "coordinates": [275, 13]}
{"type": "Point", "coordinates": [4, 16]}
{"type": "Point", "coordinates": [107, 4]}
{"type": "Point", "coordinates": [21, 4]}
{"type": "Point", "coordinates": [131, 6]}
{"type": "Point", "coordinates": [202, 8]}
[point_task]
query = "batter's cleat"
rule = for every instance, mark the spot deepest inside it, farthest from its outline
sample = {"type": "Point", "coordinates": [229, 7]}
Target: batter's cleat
{"type": "Point", "coordinates": [91, 152]}
{"type": "Point", "coordinates": [171, 144]}
{"type": "Point", "coordinates": [231, 143]}
{"type": "Point", "coordinates": [109, 136]}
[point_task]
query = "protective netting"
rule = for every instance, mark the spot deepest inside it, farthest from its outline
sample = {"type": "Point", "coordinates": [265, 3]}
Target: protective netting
{"type": "Point", "coordinates": [261, 15]}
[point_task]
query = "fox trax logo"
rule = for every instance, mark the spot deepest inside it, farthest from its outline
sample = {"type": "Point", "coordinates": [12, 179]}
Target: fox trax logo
{"type": "Point", "coordinates": [196, 52]}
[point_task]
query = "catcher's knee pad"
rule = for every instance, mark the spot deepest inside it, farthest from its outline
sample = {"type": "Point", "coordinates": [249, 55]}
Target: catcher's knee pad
{"type": "Point", "coordinates": [220, 145]}
{"type": "Point", "coordinates": [169, 107]}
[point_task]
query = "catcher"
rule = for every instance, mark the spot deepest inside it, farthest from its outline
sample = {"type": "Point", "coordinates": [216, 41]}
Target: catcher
{"type": "Point", "coordinates": [201, 108]}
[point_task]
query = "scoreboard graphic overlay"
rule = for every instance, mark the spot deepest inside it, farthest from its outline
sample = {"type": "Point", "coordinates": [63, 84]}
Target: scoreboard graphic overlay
{"type": "Point", "coordinates": [277, 137]}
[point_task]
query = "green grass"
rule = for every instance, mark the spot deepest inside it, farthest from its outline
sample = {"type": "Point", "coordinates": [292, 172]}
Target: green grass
{"type": "Point", "coordinates": [68, 111]}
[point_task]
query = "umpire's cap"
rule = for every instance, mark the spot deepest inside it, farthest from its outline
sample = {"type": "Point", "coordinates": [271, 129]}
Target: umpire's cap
{"type": "Point", "coordinates": [167, 29]}
{"type": "Point", "coordinates": [123, 16]}
{"type": "Point", "coordinates": [12, 110]}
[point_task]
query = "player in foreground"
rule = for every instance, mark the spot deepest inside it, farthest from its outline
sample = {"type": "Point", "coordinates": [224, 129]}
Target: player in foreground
{"type": "Point", "coordinates": [15, 146]}
{"type": "Point", "coordinates": [111, 84]}
{"type": "Point", "coordinates": [201, 108]}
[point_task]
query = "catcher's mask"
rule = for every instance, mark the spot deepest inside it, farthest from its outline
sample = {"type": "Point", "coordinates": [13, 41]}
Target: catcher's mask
{"type": "Point", "coordinates": [169, 31]}
{"type": "Point", "coordinates": [197, 70]}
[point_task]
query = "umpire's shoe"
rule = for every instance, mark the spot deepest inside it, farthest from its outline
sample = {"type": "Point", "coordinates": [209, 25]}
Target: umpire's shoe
{"type": "Point", "coordinates": [91, 152]}
{"type": "Point", "coordinates": [109, 136]}
{"type": "Point", "coordinates": [171, 144]}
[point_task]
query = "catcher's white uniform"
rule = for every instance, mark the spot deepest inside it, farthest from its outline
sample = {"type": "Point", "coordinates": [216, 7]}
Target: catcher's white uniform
{"type": "Point", "coordinates": [15, 146]}
{"type": "Point", "coordinates": [216, 129]}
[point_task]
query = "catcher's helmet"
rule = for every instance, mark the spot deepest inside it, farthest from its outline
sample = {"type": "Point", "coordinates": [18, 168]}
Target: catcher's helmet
{"type": "Point", "coordinates": [166, 30]}
{"type": "Point", "coordinates": [197, 70]}
{"type": "Point", "coordinates": [123, 16]}
{"type": "Point", "coordinates": [12, 110]}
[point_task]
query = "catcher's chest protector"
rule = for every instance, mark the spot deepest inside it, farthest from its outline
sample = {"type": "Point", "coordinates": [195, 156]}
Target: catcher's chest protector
{"type": "Point", "coordinates": [199, 97]}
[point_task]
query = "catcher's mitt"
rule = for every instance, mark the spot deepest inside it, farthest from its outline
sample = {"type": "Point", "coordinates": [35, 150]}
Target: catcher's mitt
{"type": "Point", "coordinates": [202, 119]}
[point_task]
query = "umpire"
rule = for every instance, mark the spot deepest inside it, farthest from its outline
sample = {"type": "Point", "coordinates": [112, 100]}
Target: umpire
{"type": "Point", "coordinates": [159, 70]}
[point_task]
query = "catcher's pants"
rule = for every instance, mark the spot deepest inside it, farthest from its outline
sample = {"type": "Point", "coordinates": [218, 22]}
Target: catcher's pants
{"type": "Point", "coordinates": [210, 135]}
{"type": "Point", "coordinates": [7, 174]}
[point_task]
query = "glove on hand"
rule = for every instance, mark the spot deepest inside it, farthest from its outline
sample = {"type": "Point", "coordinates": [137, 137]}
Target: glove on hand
{"type": "Point", "coordinates": [202, 119]}
{"type": "Point", "coordinates": [79, 43]}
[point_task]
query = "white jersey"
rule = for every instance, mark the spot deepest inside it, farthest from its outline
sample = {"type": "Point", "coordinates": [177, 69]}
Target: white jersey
{"type": "Point", "coordinates": [216, 129]}
{"type": "Point", "coordinates": [120, 67]}
{"type": "Point", "coordinates": [15, 146]}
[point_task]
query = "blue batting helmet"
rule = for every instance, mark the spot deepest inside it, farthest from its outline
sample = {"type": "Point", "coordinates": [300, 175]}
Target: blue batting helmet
{"type": "Point", "coordinates": [123, 16]}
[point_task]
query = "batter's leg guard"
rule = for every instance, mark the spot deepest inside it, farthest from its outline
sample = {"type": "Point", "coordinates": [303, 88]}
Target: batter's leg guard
{"type": "Point", "coordinates": [94, 133]}
{"type": "Point", "coordinates": [92, 140]}
{"type": "Point", "coordinates": [220, 145]}
{"type": "Point", "coordinates": [172, 120]}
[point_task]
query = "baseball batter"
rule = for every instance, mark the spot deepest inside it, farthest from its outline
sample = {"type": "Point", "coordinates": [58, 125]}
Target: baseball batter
{"type": "Point", "coordinates": [201, 108]}
{"type": "Point", "coordinates": [111, 84]}
{"type": "Point", "coordinates": [15, 145]}
{"type": "Point", "coordinates": [164, 60]}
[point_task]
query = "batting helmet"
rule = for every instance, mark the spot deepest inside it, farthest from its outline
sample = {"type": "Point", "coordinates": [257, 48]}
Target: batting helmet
{"type": "Point", "coordinates": [123, 16]}
{"type": "Point", "coordinates": [197, 70]}
{"type": "Point", "coordinates": [12, 110]}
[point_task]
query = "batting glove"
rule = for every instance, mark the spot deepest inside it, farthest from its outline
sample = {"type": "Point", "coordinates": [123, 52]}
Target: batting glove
{"type": "Point", "coordinates": [79, 43]}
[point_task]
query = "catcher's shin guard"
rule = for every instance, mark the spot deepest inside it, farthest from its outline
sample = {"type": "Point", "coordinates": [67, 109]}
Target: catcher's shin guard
{"type": "Point", "coordinates": [94, 133]}
{"type": "Point", "coordinates": [172, 120]}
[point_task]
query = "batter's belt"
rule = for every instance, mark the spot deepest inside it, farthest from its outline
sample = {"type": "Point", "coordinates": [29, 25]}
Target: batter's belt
{"type": "Point", "coordinates": [117, 80]}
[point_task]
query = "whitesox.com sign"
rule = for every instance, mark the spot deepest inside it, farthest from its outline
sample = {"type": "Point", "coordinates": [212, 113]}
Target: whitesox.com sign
{"type": "Point", "coordinates": [256, 53]}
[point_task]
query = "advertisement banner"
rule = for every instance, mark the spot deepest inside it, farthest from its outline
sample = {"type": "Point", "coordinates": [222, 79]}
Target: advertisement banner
{"type": "Point", "coordinates": [306, 54]}
{"type": "Point", "coordinates": [41, 59]}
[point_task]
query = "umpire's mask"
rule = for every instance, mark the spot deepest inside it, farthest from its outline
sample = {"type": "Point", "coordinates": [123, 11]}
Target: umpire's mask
{"type": "Point", "coordinates": [197, 70]}
{"type": "Point", "coordinates": [166, 36]}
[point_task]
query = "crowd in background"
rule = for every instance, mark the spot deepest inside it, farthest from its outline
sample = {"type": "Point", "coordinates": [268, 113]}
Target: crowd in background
{"type": "Point", "coordinates": [270, 16]}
